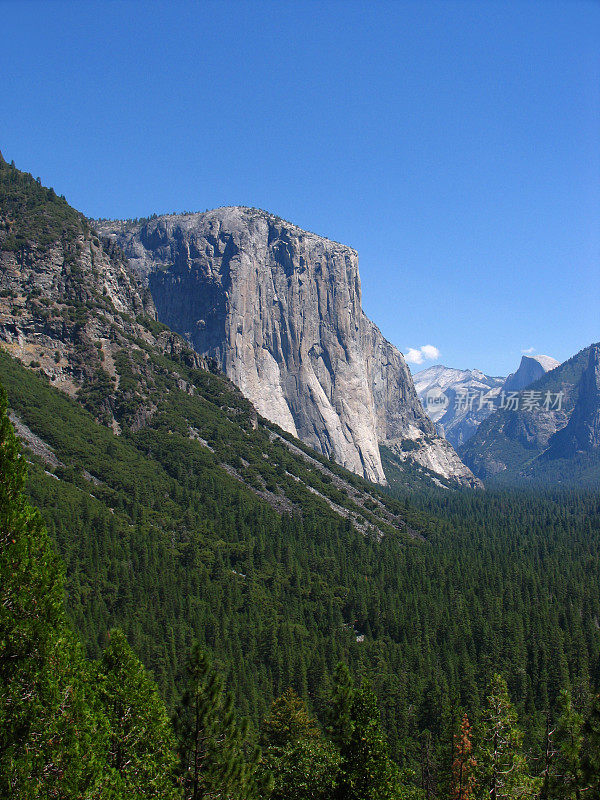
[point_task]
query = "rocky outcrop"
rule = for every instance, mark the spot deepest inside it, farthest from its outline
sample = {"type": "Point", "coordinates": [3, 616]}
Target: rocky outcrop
{"type": "Point", "coordinates": [279, 309]}
{"type": "Point", "coordinates": [530, 369]}
{"type": "Point", "coordinates": [71, 307]}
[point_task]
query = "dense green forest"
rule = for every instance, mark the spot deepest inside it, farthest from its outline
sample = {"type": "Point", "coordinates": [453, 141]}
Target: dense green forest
{"type": "Point", "coordinates": [161, 544]}
{"type": "Point", "coordinates": [79, 728]}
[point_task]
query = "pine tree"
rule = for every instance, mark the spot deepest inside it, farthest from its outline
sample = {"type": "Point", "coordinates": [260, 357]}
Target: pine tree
{"type": "Point", "coordinates": [549, 760]}
{"type": "Point", "coordinates": [367, 772]}
{"type": "Point", "coordinates": [340, 724]}
{"type": "Point", "coordinates": [591, 757]}
{"type": "Point", "coordinates": [216, 759]}
{"type": "Point", "coordinates": [566, 772]}
{"type": "Point", "coordinates": [140, 759]}
{"type": "Point", "coordinates": [302, 763]}
{"type": "Point", "coordinates": [464, 763]}
{"type": "Point", "coordinates": [428, 766]}
{"type": "Point", "coordinates": [501, 765]}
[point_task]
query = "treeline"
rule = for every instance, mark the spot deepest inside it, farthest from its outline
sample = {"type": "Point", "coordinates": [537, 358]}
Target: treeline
{"type": "Point", "coordinates": [75, 728]}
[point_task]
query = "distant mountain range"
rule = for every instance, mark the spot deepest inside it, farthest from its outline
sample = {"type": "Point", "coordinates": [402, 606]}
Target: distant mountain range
{"type": "Point", "coordinates": [457, 400]}
{"type": "Point", "coordinates": [540, 425]}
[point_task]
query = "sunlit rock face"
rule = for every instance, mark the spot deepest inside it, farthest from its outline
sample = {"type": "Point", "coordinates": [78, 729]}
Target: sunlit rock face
{"type": "Point", "coordinates": [280, 311]}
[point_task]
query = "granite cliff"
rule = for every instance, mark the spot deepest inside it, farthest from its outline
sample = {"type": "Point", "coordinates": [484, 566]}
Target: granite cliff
{"type": "Point", "coordinates": [582, 432]}
{"type": "Point", "coordinates": [279, 309]}
{"type": "Point", "coordinates": [531, 369]}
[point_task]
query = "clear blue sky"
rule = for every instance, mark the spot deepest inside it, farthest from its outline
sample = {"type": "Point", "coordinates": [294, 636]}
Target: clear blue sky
{"type": "Point", "coordinates": [455, 145]}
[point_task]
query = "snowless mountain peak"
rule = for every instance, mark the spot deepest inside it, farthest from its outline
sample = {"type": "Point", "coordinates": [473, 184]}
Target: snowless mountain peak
{"type": "Point", "coordinates": [530, 369]}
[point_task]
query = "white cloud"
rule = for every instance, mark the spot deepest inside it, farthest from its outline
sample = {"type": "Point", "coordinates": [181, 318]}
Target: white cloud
{"type": "Point", "coordinates": [430, 352]}
{"type": "Point", "coordinates": [528, 351]}
{"type": "Point", "coordinates": [416, 355]}
{"type": "Point", "coordinates": [413, 356]}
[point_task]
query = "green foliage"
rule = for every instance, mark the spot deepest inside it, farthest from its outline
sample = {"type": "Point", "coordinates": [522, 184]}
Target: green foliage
{"type": "Point", "coordinates": [591, 755]}
{"type": "Point", "coordinates": [153, 325]}
{"type": "Point", "coordinates": [215, 761]}
{"type": "Point", "coordinates": [367, 772]}
{"type": "Point", "coordinates": [34, 214]}
{"type": "Point", "coordinates": [159, 540]}
{"type": "Point", "coordinates": [502, 767]}
{"type": "Point", "coordinates": [74, 729]}
{"type": "Point", "coordinates": [565, 779]}
{"type": "Point", "coordinates": [341, 726]}
{"type": "Point", "coordinates": [302, 763]}
{"type": "Point", "coordinates": [46, 724]}
{"type": "Point", "coordinates": [139, 759]}
{"type": "Point", "coordinates": [69, 729]}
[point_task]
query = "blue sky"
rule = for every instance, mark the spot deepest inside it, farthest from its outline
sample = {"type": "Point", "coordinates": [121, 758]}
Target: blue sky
{"type": "Point", "coordinates": [455, 145]}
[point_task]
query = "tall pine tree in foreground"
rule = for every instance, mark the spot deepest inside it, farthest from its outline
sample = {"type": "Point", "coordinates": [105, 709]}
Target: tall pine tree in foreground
{"type": "Point", "coordinates": [50, 733]}
{"type": "Point", "coordinates": [140, 759]}
{"type": "Point", "coordinates": [70, 729]}
{"type": "Point", "coordinates": [502, 767]}
{"type": "Point", "coordinates": [366, 770]}
{"type": "Point", "coordinates": [565, 775]}
{"type": "Point", "coordinates": [217, 760]}
{"type": "Point", "coordinates": [303, 764]}
{"type": "Point", "coordinates": [591, 758]}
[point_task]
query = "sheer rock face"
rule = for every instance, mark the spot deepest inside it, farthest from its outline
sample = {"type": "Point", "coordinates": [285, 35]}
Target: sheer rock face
{"type": "Point", "coordinates": [582, 432]}
{"type": "Point", "coordinates": [280, 311]}
{"type": "Point", "coordinates": [530, 369]}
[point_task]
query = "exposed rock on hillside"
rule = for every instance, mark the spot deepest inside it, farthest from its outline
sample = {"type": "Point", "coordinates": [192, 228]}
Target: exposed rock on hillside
{"type": "Point", "coordinates": [582, 432]}
{"type": "Point", "coordinates": [279, 309]}
{"type": "Point", "coordinates": [71, 307]}
{"type": "Point", "coordinates": [519, 441]}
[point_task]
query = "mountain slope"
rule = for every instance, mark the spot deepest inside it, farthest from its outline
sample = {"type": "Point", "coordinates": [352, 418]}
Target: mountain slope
{"type": "Point", "coordinates": [279, 309]}
{"type": "Point", "coordinates": [66, 310]}
{"type": "Point", "coordinates": [457, 400]}
{"type": "Point", "coordinates": [508, 444]}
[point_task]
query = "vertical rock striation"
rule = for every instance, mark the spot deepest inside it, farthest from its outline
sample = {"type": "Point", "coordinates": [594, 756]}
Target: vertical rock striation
{"type": "Point", "coordinates": [280, 311]}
